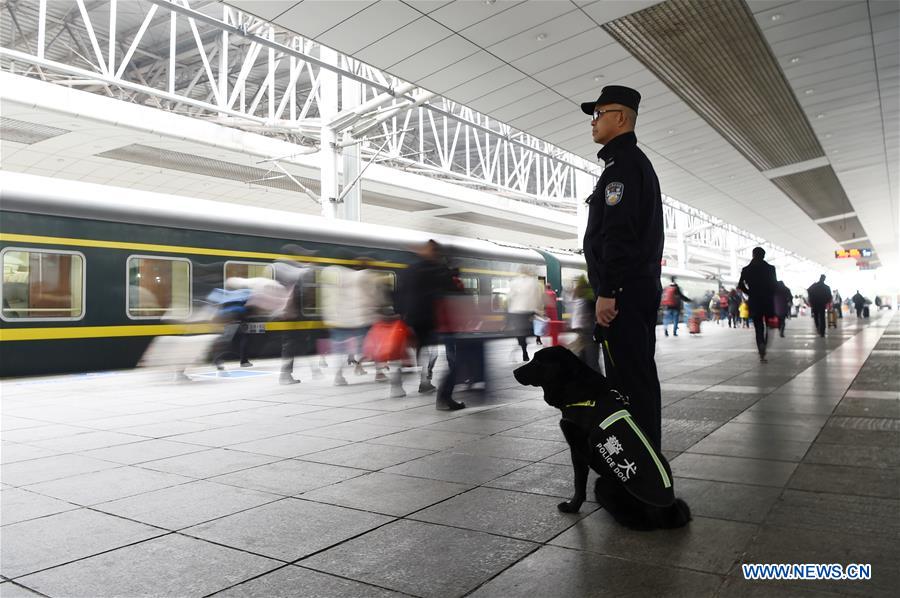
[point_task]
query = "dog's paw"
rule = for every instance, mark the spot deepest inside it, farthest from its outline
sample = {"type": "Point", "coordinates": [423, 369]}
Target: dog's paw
{"type": "Point", "coordinates": [570, 506]}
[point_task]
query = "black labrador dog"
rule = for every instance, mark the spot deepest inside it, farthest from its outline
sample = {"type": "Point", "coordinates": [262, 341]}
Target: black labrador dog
{"type": "Point", "coordinates": [635, 481]}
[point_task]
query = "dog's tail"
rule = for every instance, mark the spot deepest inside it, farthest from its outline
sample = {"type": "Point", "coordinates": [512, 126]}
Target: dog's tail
{"type": "Point", "coordinates": [678, 514]}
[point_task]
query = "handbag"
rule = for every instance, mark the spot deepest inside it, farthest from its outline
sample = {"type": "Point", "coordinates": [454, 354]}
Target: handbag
{"type": "Point", "coordinates": [773, 321]}
{"type": "Point", "coordinates": [540, 325]}
{"type": "Point", "coordinates": [387, 341]}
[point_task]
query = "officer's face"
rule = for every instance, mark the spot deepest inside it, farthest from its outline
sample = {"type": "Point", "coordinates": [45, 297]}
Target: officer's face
{"type": "Point", "coordinates": [603, 128]}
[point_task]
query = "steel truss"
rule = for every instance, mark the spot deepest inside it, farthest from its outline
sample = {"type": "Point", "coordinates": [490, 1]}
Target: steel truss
{"type": "Point", "coordinates": [212, 61]}
{"type": "Point", "coordinates": [206, 60]}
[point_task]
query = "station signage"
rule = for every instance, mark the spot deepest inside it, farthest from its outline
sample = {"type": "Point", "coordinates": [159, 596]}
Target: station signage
{"type": "Point", "coordinates": [852, 253]}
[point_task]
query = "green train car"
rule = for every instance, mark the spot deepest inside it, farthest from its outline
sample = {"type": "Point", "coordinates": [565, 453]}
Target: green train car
{"type": "Point", "coordinates": [91, 274]}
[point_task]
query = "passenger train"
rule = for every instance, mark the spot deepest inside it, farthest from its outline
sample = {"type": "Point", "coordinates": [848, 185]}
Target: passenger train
{"type": "Point", "coordinates": [91, 273]}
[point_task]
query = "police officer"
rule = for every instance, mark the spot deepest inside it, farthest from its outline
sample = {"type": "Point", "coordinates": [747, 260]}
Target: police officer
{"type": "Point", "coordinates": [623, 246]}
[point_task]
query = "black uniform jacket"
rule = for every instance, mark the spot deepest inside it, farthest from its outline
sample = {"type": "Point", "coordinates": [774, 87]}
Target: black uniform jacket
{"type": "Point", "coordinates": [759, 281]}
{"type": "Point", "coordinates": [624, 236]}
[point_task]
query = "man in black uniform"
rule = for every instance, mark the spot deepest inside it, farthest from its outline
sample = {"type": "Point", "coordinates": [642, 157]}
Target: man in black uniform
{"type": "Point", "coordinates": [623, 246]}
{"type": "Point", "coordinates": [758, 281]}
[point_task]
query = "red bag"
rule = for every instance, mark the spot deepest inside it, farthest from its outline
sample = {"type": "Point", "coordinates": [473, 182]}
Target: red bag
{"type": "Point", "coordinates": [773, 322]}
{"type": "Point", "coordinates": [386, 341]}
{"type": "Point", "coordinates": [670, 296]}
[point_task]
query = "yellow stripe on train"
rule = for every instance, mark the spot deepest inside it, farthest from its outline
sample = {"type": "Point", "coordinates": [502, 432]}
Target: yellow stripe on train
{"type": "Point", "coordinates": [70, 332]}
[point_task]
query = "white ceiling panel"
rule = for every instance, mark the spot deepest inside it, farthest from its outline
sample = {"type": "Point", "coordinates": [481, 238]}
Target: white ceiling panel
{"type": "Point", "coordinates": [406, 41]}
{"type": "Point", "coordinates": [264, 9]}
{"type": "Point", "coordinates": [819, 24]}
{"type": "Point", "coordinates": [461, 72]}
{"type": "Point", "coordinates": [368, 26]}
{"type": "Point", "coordinates": [564, 51]}
{"type": "Point", "coordinates": [433, 58]}
{"type": "Point", "coordinates": [606, 61]}
{"type": "Point", "coordinates": [561, 30]}
{"type": "Point", "coordinates": [507, 95]}
{"type": "Point", "coordinates": [529, 104]}
{"type": "Point", "coordinates": [427, 6]}
{"type": "Point", "coordinates": [312, 18]}
{"type": "Point", "coordinates": [485, 84]}
{"type": "Point", "coordinates": [552, 112]}
{"type": "Point", "coordinates": [514, 21]}
{"type": "Point", "coordinates": [603, 11]}
{"type": "Point", "coordinates": [464, 13]}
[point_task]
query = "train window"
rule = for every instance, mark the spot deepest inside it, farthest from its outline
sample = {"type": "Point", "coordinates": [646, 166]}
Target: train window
{"type": "Point", "coordinates": [158, 287]}
{"type": "Point", "coordinates": [470, 284]}
{"type": "Point", "coordinates": [499, 294]}
{"type": "Point", "coordinates": [42, 285]}
{"type": "Point", "coordinates": [248, 270]}
{"type": "Point", "coordinates": [311, 294]}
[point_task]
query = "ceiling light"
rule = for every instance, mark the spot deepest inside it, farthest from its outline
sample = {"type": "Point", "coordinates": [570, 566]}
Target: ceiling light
{"type": "Point", "coordinates": [835, 151]}
{"type": "Point", "coordinates": [776, 17]}
{"type": "Point", "coordinates": [795, 60]}
{"type": "Point", "coordinates": [489, 2]}
{"type": "Point", "coordinates": [598, 77]}
{"type": "Point", "coordinates": [670, 131]}
{"type": "Point", "coordinates": [810, 91]}
{"type": "Point", "coordinates": [820, 115]}
{"type": "Point", "coordinates": [827, 135]}
{"type": "Point", "coordinates": [541, 37]}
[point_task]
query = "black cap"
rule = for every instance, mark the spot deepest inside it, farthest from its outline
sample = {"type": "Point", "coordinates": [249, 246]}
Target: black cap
{"type": "Point", "coordinates": [614, 94]}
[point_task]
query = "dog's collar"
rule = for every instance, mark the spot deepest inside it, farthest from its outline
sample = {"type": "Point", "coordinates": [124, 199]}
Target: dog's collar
{"type": "Point", "coordinates": [582, 404]}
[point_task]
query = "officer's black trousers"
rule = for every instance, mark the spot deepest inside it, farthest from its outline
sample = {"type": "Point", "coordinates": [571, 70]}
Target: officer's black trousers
{"type": "Point", "coordinates": [629, 348]}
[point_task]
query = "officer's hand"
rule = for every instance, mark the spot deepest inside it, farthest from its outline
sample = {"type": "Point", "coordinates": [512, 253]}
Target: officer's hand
{"type": "Point", "coordinates": [606, 310]}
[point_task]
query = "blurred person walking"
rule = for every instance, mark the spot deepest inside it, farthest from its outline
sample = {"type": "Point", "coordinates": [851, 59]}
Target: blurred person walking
{"type": "Point", "coordinates": [859, 303]}
{"type": "Point", "coordinates": [782, 305]}
{"type": "Point", "coordinates": [419, 287]}
{"type": "Point", "coordinates": [734, 307]}
{"type": "Point", "coordinates": [673, 300]}
{"type": "Point", "coordinates": [838, 302]}
{"type": "Point", "coordinates": [819, 297]}
{"type": "Point", "coordinates": [524, 300]}
{"type": "Point", "coordinates": [758, 282]}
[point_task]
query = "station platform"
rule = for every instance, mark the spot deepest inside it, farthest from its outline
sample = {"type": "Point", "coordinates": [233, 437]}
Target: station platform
{"type": "Point", "coordinates": [127, 484]}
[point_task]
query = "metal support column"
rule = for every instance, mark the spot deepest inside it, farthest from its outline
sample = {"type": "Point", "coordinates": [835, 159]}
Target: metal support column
{"type": "Point", "coordinates": [328, 108]}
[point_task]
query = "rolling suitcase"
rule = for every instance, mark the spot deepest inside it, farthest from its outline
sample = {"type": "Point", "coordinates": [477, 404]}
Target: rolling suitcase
{"type": "Point", "coordinates": [832, 318]}
{"type": "Point", "coordinates": [866, 311]}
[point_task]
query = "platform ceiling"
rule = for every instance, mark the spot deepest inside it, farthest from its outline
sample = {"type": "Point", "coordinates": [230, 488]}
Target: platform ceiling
{"type": "Point", "coordinates": [529, 63]}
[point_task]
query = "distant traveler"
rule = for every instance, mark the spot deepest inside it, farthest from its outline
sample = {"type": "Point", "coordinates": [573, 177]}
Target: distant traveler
{"type": "Point", "coordinates": [524, 300]}
{"type": "Point", "coordinates": [623, 245]}
{"type": "Point", "coordinates": [838, 303]}
{"type": "Point", "coordinates": [734, 307]}
{"type": "Point", "coordinates": [758, 282]}
{"type": "Point", "coordinates": [819, 296]}
{"type": "Point", "coordinates": [782, 305]}
{"type": "Point", "coordinates": [673, 300]}
{"type": "Point", "coordinates": [859, 302]}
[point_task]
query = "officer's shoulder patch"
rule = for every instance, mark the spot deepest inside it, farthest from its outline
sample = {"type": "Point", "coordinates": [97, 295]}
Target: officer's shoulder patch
{"type": "Point", "coordinates": [614, 192]}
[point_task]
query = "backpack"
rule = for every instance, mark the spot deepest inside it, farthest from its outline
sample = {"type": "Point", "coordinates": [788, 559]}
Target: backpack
{"type": "Point", "coordinates": [670, 296]}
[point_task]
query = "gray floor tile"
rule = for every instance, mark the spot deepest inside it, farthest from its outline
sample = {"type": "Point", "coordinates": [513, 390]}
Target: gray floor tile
{"type": "Point", "coordinates": [876, 439]}
{"type": "Point", "coordinates": [422, 559]}
{"type": "Point", "coordinates": [868, 407]}
{"type": "Point", "coordinates": [797, 404]}
{"type": "Point", "coordinates": [366, 455]}
{"type": "Point", "coordinates": [56, 467]}
{"type": "Point", "coordinates": [733, 469]}
{"type": "Point", "coordinates": [433, 440]}
{"type": "Point", "coordinates": [545, 429]}
{"type": "Point", "coordinates": [352, 431]}
{"type": "Point", "coordinates": [288, 529]}
{"type": "Point", "coordinates": [209, 463]}
{"type": "Point", "coordinates": [776, 450]}
{"type": "Point", "coordinates": [37, 544]}
{"type": "Point", "coordinates": [514, 514]}
{"type": "Point", "coordinates": [12, 590]}
{"type": "Point", "coordinates": [554, 572]}
{"type": "Point", "coordinates": [873, 394]}
{"type": "Point", "coordinates": [87, 441]}
{"type": "Point", "coordinates": [738, 587]}
{"type": "Point", "coordinates": [854, 454]}
{"type": "Point", "coordinates": [169, 566]}
{"type": "Point", "coordinates": [549, 479]}
{"type": "Point", "coordinates": [473, 425]}
{"type": "Point", "coordinates": [508, 447]}
{"type": "Point", "coordinates": [386, 493]}
{"type": "Point", "coordinates": [778, 418]}
{"type": "Point", "coordinates": [188, 504]}
{"type": "Point", "coordinates": [11, 452]}
{"type": "Point", "coordinates": [680, 434]}
{"type": "Point", "coordinates": [287, 445]}
{"type": "Point", "coordinates": [288, 477]}
{"type": "Point", "coordinates": [857, 479]}
{"type": "Point", "coordinates": [101, 486]}
{"type": "Point", "coordinates": [839, 513]}
{"type": "Point", "coordinates": [722, 500]}
{"type": "Point", "coordinates": [784, 545]}
{"type": "Point", "coordinates": [43, 432]}
{"type": "Point", "coordinates": [698, 412]}
{"type": "Point", "coordinates": [288, 581]}
{"type": "Point", "coordinates": [710, 545]}
{"type": "Point", "coordinates": [457, 467]}
{"type": "Point", "coordinates": [20, 505]}
{"type": "Point", "coordinates": [139, 452]}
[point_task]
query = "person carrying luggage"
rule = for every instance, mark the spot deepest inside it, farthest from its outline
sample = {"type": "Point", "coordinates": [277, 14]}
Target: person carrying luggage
{"type": "Point", "coordinates": [673, 300]}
